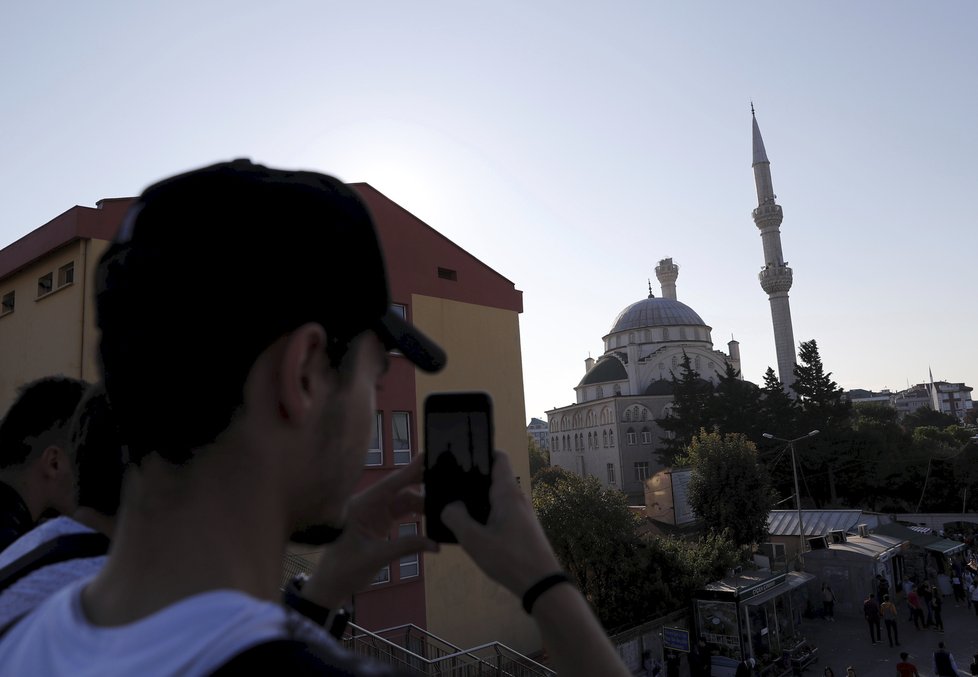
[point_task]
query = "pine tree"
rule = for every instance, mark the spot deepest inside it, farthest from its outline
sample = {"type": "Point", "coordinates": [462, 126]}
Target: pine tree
{"type": "Point", "coordinates": [736, 407]}
{"type": "Point", "coordinates": [689, 412]}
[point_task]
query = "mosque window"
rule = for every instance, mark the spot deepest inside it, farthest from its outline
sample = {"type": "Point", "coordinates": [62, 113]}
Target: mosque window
{"type": "Point", "coordinates": [682, 333]}
{"type": "Point", "coordinates": [599, 392]}
{"type": "Point", "coordinates": [631, 337]}
{"type": "Point", "coordinates": [630, 437]}
{"type": "Point", "coordinates": [617, 390]}
{"type": "Point", "coordinates": [611, 438]}
{"type": "Point", "coordinates": [611, 473]}
{"type": "Point", "coordinates": [665, 333]}
{"type": "Point", "coordinates": [645, 413]}
{"type": "Point", "coordinates": [604, 439]}
{"type": "Point", "coordinates": [635, 413]}
{"type": "Point", "coordinates": [646, 436]}
{"type": "Point", "coordinates": [628, 415]}
{"type": "Point", "coordinates": [590, 419]}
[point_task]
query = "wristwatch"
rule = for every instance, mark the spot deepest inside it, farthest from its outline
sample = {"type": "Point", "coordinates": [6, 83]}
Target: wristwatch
{"type": "Point", "coordinates": [333, 620]}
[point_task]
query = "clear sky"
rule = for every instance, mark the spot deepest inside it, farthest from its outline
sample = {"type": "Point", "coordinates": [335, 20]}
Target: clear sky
{"type": "Point", "coordinates": [568, 145]}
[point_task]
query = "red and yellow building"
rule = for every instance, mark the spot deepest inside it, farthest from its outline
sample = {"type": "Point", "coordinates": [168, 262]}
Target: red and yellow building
{"type": "Point", "coordinates": [47, 326]}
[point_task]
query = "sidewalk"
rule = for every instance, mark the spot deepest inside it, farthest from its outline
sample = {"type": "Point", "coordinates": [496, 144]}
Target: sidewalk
{"type": "Point", "coordinates": [846, 642]}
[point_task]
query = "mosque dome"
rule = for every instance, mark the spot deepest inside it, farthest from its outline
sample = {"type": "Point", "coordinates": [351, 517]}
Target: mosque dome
{"type": "Point", "coordinates": [655, 312]}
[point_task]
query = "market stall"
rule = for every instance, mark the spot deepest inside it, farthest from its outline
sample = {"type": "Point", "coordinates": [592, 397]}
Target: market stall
{"type": "Point", "coordinates": [757, 615]}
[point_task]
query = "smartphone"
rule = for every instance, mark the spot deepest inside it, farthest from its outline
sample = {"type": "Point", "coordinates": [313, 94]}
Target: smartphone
{"type": "Point", "coordinates": [458, 457]}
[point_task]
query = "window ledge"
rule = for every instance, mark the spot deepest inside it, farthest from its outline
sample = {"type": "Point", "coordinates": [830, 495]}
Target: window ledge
{"type": "Point", "coordinates": [6, 312]}
{"type": "Point", "coordinates": [53, 291]}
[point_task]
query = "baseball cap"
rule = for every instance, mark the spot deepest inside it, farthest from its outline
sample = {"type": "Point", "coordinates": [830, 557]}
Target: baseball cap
{"type": "Point", "coordinates": [211, 266]}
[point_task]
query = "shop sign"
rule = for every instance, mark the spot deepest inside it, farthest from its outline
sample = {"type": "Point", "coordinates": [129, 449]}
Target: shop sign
{"type": "Point", "coordinates": [675, 638]}
{"type": "Point", "coordinates": [761, 587]}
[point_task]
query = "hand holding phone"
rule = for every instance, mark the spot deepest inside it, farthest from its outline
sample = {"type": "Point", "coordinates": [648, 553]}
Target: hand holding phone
{"type": "Point", "coordinates": [458, 458]}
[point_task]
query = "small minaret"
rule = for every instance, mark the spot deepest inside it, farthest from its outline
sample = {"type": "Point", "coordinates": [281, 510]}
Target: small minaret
{"type": "Point", "coordinates": [775, 274]}
{"type": "Point", "coordinates": [667, 273]}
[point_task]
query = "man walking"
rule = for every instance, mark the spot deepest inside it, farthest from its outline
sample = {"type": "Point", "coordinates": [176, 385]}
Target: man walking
{"type": "Point", "coordinates": [889, 613]}
{"type": "Point", "coordinates": [905, 668]}
{"type": "Point", "coordinates": [916, 613]}
{"type": "Point", "coordinates": [871, 612]}
{"type": "Point", "coordinates": [944, 665]}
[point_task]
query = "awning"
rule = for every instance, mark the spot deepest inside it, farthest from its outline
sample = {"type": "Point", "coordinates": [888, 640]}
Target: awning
{"type": "Point", "coordinates": [945, 546]}
{"type": "Point", "coordinates": [794, 579]}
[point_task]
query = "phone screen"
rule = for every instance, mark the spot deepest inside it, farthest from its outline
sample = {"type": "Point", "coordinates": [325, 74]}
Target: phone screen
{"type": "Point", "coordinates": [458, 457]}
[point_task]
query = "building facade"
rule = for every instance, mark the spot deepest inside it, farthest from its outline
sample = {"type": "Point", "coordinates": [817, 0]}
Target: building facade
{"type": "Point", "coordinates": [540, 432]}
{"type": "Point", "coordinates": [47, 326]}
{"type": "Point", "coordinates": [610, 432]}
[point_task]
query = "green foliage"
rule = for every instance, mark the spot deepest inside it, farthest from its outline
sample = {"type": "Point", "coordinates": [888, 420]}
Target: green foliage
{"type": "Point", "coordinates": [729, 489]}
{"type": "Point", "coordinates": [927, 417]}
{"type": "Point", "coordinates": [736, 407]}
{"type": "Point", "coordinates": [539, 458]}
{"type": "Point", "coordinates": [626, 579]}
{"type": "Point", "coordinates": [690, 411]}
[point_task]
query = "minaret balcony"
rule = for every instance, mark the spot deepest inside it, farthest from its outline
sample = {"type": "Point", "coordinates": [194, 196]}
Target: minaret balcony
{"type": "Point", "coordinates": [767, 213]}
{"type": "Point", "coordinates": [776, 278]}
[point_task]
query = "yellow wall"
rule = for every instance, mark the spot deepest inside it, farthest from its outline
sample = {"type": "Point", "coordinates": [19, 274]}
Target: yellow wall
{"type": "Point", "coordinates": [483, 345]}
{"type": "Point", "coordinates": [55, 334]}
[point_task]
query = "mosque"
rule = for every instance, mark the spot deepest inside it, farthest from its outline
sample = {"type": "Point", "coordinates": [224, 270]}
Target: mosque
{"type": "Point", "coordinates": [610, 432]}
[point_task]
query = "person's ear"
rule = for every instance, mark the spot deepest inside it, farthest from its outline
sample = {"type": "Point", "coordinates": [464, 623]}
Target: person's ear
{"type": "Point", "coordinates": [302, 371]}
{"type": "Point", "coordinates": [53, 461]}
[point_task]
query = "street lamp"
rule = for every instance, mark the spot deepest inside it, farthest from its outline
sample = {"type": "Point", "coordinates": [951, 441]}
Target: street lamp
{"type": "Point", "coordinates": [794, 470]}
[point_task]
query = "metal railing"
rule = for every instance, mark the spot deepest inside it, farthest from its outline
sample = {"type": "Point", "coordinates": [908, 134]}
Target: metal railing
{"type": "Point", "coordinates": [415, 651]}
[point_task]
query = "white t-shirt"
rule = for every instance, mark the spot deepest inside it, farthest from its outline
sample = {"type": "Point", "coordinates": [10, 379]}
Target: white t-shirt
{"type": "Point", "coordinates": [192, 637]}
{"type": "Point", "coordinates": [33, 589]}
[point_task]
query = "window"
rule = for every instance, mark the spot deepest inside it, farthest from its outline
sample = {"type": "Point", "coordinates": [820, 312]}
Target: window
{"type": "Point", "coordinates": [599, 392]}
{"type": "Point", "coordinates": [44, 285]}
{"type": "Point", "coordinates": [399, 310]}
{"type": "Point", "coordinates": [604, 439]}
{"type": "Point", "coordinates": [646, 436]}
{"type": "Point", "coordinates": [375, 452]}
{"type": "Point", "coordinates": [590, 442]}
{"type": "Point", "coordinates": [401, 438]}
{"type": "Point", "coordinates": [611, 473]}
{"type": "Point", "coordinates": [641, 471]}
{"type": "Point", "coordinates": [611, 438]}
{"type": "Point", "coordinates": [631, 437]}
{"type": "Point", "coordinates": [66, 274]}
{"type": "Point", "coordinates": [7, 304]}
{"type": "Point", "coordinates": [383, 576]}
{"type": "Point", "coordinates": [409, 564]}
{"type": "Point", "coordinates": [628, 415]}
{"type": "Point", "coordinates": [447, 274]}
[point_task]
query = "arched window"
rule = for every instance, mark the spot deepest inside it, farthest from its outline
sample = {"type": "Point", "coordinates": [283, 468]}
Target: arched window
{"type": "Point", "coordinates": [630, 437]}
{"type": "Point", "coordinates": [646, 436]}
{"type": "Point", "coordinates": [628, 415]}
{"type": "Point", "coordinates": [590, 442]}
{"type": "Point", "coordinates": [665, 333]}
{"type": "Point", "coordinates": [590, 419]}
{"type": "Point", "coordinates": [631, 337]}
{"type": "Point", "coordinates": [611, 438]}
{"type": "Point", "coordinates": [645, 413]}
{"type": "Point", "coordinates": [599, 391]}
{"type": "Point", "coordinates": [617, 389]}
{"type": "Point", "coordinates": [604, 439]}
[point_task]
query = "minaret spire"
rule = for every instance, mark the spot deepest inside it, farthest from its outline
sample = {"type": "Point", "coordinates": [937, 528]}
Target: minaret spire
{"type": "Point", "coordinates": [775, 277]}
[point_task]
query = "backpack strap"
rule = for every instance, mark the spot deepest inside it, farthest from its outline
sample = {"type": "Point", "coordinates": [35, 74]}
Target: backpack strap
{"type": "Point", "coordinates": [60, 549]}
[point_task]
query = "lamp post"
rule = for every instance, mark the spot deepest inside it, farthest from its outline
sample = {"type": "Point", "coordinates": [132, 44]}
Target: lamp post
{"type": "Point", "coordinates": [794, 470]}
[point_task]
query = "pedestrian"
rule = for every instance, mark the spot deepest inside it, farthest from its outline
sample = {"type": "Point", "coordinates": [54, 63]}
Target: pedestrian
{"type": "Point", "coordinates": [871, 612]}
{"type": "Point", "coordinates": [938, 604]}
{"type": "Point", "coordinates": [889, 613]}
{"type": "Point", "coordinates": [958, 588]}
{"type": "Point", "coordinates": [882, 587]}
{"type": "Point", "coordinates": [916, 613]}
{"type": "Point", "coordinates": [927, 597]}
{"type": "Point", "coordinates": [944, 665]}
{"type": "Point", "coordinates": [905, 668]}
{"type": "Point", "coordinates": [828, 602]}
{"type": "Point", "coordinates": [274, 411]}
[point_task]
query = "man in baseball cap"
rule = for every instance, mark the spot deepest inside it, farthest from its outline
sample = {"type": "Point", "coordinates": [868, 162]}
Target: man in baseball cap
{"type": "Point", "coordinates": [245, 319]}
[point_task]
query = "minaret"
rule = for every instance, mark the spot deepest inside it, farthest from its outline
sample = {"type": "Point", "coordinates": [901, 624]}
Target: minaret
{"type": "Point", "coordinates": [667, 273]}
{"type": "Point", "coordinates": [775, 274]}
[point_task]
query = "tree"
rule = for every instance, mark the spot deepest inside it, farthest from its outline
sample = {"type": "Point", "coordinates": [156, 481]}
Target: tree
{"type": "Point", "coordinates": [729, 489]}
{"type": "Point", "coordinates": [736, 406]}
{"type": "Point", "coordinates": [539, 458]}
{"type": "Point", "coordinates": [821, 406]}
{"type": "Point", "coordinates": [778, 413]}
{"type": "Point", "coordinates": [689, 412]}
{"type": "Point", "coordinates": [925, 416]}
{"type": "Point", "coordinates": [593, 534]}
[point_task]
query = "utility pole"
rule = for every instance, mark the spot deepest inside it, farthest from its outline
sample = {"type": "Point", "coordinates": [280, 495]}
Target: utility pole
{"type": "Point", "coordinates": [794, 470]}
